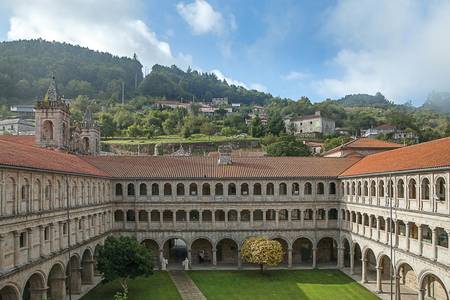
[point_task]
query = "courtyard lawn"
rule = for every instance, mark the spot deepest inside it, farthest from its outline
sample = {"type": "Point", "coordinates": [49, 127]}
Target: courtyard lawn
{"type": "Point", "coordinates": [158, 286]}
{"type": "Point", "coordinates": [279, 284]}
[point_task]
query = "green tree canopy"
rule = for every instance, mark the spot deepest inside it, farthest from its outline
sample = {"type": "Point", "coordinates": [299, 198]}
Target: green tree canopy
{"type": "Point", "coordinates": [287, 145]}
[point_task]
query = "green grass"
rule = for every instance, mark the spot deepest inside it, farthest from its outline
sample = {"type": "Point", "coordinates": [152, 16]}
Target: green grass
{"type": "Point", "coordinates": [280, 284]}
{"type": "Point", "coordinates": [158, 286]}
{"type": "Point", "coordinates": [195, 138]}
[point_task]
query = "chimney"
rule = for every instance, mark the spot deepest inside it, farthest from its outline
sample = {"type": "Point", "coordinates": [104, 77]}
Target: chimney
{"type": "Point", "coordinates": [225, 155]}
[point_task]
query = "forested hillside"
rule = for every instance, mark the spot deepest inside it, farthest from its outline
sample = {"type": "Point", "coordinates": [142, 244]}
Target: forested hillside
{"type": "Point", "coordinates": [26, 65]}
{"type": "Point", "coordinates": [439, 102]}
{"type": "Point", "coordinates": [174, 83]}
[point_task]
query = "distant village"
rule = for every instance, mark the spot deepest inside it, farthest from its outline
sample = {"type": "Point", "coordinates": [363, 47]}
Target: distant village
{"type": "Point", "coordinates": [310, 128]}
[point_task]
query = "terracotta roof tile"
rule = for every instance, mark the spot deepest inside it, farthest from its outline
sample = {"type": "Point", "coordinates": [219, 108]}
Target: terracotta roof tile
{"type": "Point", "coordinates": [432, 154]}
{"type": "Point", "coordinates": [207, 167]}
{"type": "Point", "coordinates": [17, 151]}
{"type": "Point", "coordinates": [365, 143]}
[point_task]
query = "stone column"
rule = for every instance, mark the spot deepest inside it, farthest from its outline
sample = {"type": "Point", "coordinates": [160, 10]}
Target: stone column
{"type": "Point", "coordinates": [60, 233]}
{"type": "Point", "coordinates": [387, 231]}
{"type": "Point", "coordinates": [408, 227]}
{"type": "Point", "coordinates": [422, 294]}
{"type": "Point", "coordinates": [251, 217]}
{"type": "Point", "coordinates": [352, 263]}
{"type": "Point", "coordinates": [239, 259]}
{"type": "Point", "coordinates": [16, 248]}
{"type": "Point", "coordinates": [174, 218]}
{"type": "Point", "coordinates": [340, 254]}
{"type": "Point", "coordinates": [379, 285]}
{"type": "Point", "coordinates": [397, 287]}
{"type": "Point", "coordinates": [38, 293]}
{"type": "Point", "coordinates": [289, 257]}
{"type": "Point", "coordinates": [214, 257]}
{"type": "Point", "coordinates": [314, 264]}
{"type": "Point", "coordinates": [200, 217]}
{"type": "Point", "coordinates": [378, 229]}
{"type": "Point", "coordinates": [276, 218]}
{"type": "Point", "coordinates": [2, 255]}
{"type": "Point", "coordinates": [52, 237]}
{"type": "Point", "coordinates": [370, 226]}
{"type": "Point", "coordinates": [58, 288]}
{"type": "Point", "coordinates": [363, 270]}
{"type": "Point", "coordinates": [419, 238]}
{"type": "Point", "coordinates": [161, 213]}
{"type": "Point", "coordinates": [41, 241]}
{"type": "Point", "coordinates": [30, 243]}
{"type": "Point", "coordinates": [396, 233]}
{"type": "Point", "coordinates": [434, 242]}
{"type": "Point", "coordinates": [75, 280]}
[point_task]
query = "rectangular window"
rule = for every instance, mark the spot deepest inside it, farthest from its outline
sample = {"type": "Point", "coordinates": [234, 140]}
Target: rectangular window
{"type": "Point", "coordinates": [65, 228]}
{"type": "Point", "coordinates": [23, 240]}
{"type": "Point", "coordinates": [46, 233]}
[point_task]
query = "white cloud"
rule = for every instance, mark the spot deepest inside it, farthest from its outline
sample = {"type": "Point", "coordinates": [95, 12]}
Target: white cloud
{"type": "Point", "coordinates": [201, 17]}
{"type": "Point", "coordinates": [399, 48]}
{"type": "Point", "coordinates": [296, 76]}
{"type": "Point", "coordinates": [252, 86]}
{"type": "Point", "coordinates": [104, 25]}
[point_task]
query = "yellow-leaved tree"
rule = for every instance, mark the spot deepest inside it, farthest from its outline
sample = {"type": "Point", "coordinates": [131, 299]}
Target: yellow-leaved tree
{"type": "Point", "coordinates": [262, 251]}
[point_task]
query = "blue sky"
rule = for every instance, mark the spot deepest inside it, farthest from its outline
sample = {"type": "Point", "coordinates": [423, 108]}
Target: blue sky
{"type": "Point", "coordinates": [290, 48]}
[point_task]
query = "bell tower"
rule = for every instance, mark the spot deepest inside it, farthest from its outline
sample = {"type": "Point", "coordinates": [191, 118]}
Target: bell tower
{"type": "Point", "coordinates": [52, 120]}
{"type": "Point", "coordinates": [90, 135]}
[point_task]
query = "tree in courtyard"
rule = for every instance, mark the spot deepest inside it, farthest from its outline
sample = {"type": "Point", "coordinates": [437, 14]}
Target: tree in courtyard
{"type": "Point", "coordinates": [123, 258]}
{"type": "Point", "coordinates": [262, 251]}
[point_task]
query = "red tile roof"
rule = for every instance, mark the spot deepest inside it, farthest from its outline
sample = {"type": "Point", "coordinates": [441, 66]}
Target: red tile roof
{"type": "Point", "coordinates": [17, 151]}
{"type": "Point", "coordinates": [365, 143]}
{"type": "Point", "coordinates": [432, 154]}
{"type": "Point", "coordinates": [162, 167]}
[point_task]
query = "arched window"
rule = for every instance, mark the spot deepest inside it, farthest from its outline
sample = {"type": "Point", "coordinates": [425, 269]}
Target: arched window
{"type": "Point", "coordinates": [270, 215]}
{"type": "Point", "coordinates": [390, 189]}
{"type": "Point", "coordinates": [373, 188]}
{"type": "Point", "coordinates": [245, 215]}
{"type": "Point", "coordinates": [232, 215]}
{"type": "Point", "coordinates": [333, 214]}
{"type": "Point", "coordinates": [353, 189]}
{"type": "Point", "coordinates": [381, 188]}
{"type": "Point", "coordinates": [270, 190]}
{"type": "Point", "coordinates": [207, 216]}
{"type": "Point", "coordinates": [194, 216]}
{"type": "Point", "coordinates": [167, 189]}
{"type": "Point", "coordinates": [119, 191]}
{"type": "Point", "coordinates": [308, 214]}
{"type": "Point", "coordinates": [155, 189]}
{"type": "Point", "coordinates": [48, 191]}
{"type": "Point", "coordinates": [130, 189]}
{"type": "Point", "coordinates": [47, 130]}
{"type": "Point", "coordinates": [219, 215]}
{"type": "Point", "coordinates": [143, 189]}
{"type": "Point", "coordinates": [282, 189]}
{"type": "Point", "coordinates": [295, 215]}
{"type": "Point", "coordinates": [180, 216]}
{"type": "Point", "coordinates": [118, 216]}
{"type": "Point", "coordinates": [295, 188]}
{"type": "Point", "coordinates": [308, 189]}
{"type": "Point", "coordinates": [412, 194]}
{"type": "Point", "coordinates": [366, 188]}
{"type": "Point", "coordinates": [193, 189]}
{"type": "Point", "coordinates": [244, 189]}
{"type": "Point", "coordinates": [321, 214]}
{"type": "Point", "coordinates": [426, 189]}
{"type": "Point", "coordinates": [143, 216]}
{"type": "Point", "coordinates": [283, 215]}
{"type": "Point", "coordinates": [348, 188]}
{"type": "Point", "coordinates": [231, 189]}
{"type": "Point", "coordinates": [25, 191]}
{"type": "Point", "coordinates": [131, 216]}
{"type": "Point", "coordinates": [332, 188]}
{"type": "Point", "coordinates": [180, 189]}
{"type": "Point", "coordinates": [320, 188]}
{"type": "Point", "coordinates": [206, 189]}
{"type": "Point", "coordinates": [219, 189]}
{"type": "Point", "coordinates": [400, 188]}
{"type": "Point", "coordinates": [257, 189]}
{"type": "Point", "coordinates": [359, 190]}
{"type": "Point", "coordinates": [440, 189]}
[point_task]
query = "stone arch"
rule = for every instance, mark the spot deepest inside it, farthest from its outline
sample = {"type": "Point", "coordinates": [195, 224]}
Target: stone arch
{"type": "Point", "coordinates": [193, 190]}
{"type": "Point", "coordinates": [118, 189]}
{"type": "Point", "coordinates": [202, 251]}
{"type": "Point", "coordinates": [282, 189]}
{"type": "Point", "coordinates": [357, 256]}
{"type": "Point", "coordinates": [131, 190]}
{"type": "Point", "coordinates": [270, 189]}
{"type": "Point", "coordinates": [206, 189]}
{"type": "Point", "coordinates": [56, 282]}
{"type": "Point", "coordinates": [370, 264]}
{"type": "Point", "coordinates": [386, 267]}
{"type": "Point", "coordinates": [34, 288]}
{"type": "Point", "coordinates": [175, 250]}
{"type": "Point", "coordinates": [412, 189]}
{"type": "Point", "coordinates": [409, 284]}
{"type": "Point", "coordinates": [9, 292]}
{"type": "Point", "coordinates": [153, 246]}
{"type": "Point", "coordinates": [441, 189]}
{"type": "Point", "coordinates": [143, 189]}
{"type": "Point", "coordinates": [244, 189]}
{"type": "Point", "coordinates": [425, 188]}
{"type": "Point", "coordinates": [285, 246]}
{"type": "Point", "coordinates": [432, 286]}
{"type": "Point", "coordinates": [307, 190]}
{"type": "Point", "coordinates": [302, 252]}
{"type": "Point", "coordinates": [167, 189]}
{"type": "Point", "coordinates": [218, 189]}
{"type": "Point", "coordinates": [332, 188]}
{"type": "Point", "coordinates": [257, 189]}
{"type": "Point", "coordinates": [346, 248]}
{"type": "Point", "coordinates": [11, 193]}
{"type": "Point", "coordinates": [73, 275]}
{"type": "Point", "coordinates": [37, 195]}
{"type": "Point", "coordinates": [87, 267]}
{"type": "Point", "coordinates": [180, 189]}
{"type": "Point", "coordinates": [155, 189]}
{"type": "Point", "coordinates": [327, 252]}
{"type": "Point", "coordinates": [85, 143]}
{"type": "Point", "coordinates": [227, 251]}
